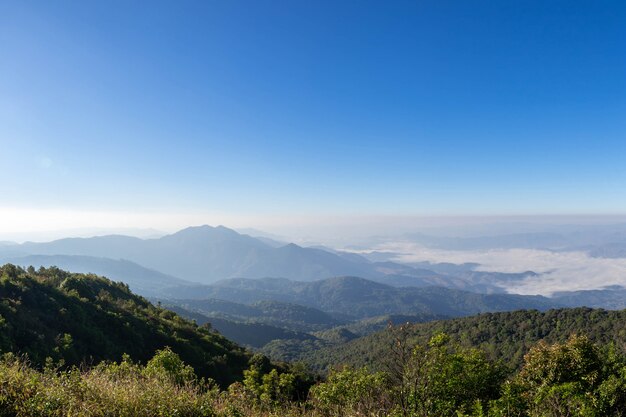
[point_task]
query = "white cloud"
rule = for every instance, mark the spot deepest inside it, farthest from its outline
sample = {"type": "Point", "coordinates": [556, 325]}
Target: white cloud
{"type": "Point", "coordinates": [558, 271]}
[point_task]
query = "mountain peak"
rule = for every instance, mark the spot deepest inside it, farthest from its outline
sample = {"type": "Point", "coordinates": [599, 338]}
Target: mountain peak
{"type": "Point", "coordinates": [292, 246]}
{"type": "Point", "coordinates": [207, 253]}
{"type": "Point", "coordinates": [205, 229]}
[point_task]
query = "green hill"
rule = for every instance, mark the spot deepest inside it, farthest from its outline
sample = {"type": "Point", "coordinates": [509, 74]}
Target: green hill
{"type": "Point", "coordinates": [250, 334]}
{"type": "Point", "coordinates": [281, 324]}
{"type": "Point", "coordinates": [273, 313]}
{"type": "Point", "coordinates": [292, 349]}
{"type": "Point", "coordinates": [504, 336]}
{"type": "Point", "coordinates": [81, 318]}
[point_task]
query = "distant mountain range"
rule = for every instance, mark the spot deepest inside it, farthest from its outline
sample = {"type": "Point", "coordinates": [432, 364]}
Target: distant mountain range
{"type": "Point", "coordinates": [208, 254]}
{"type": "Point", "coordinates": [285, 315]}
{"type": "Point", "coordinates": [217, 262]}
{"type": "Point", "coordinates": [356, 298]}
{"type": "Point", "coordinates": [204, 254]}
{"type": "Point", "coordinates": [284, 318]}
{"type": "Point", "coordinates": [303, 317]}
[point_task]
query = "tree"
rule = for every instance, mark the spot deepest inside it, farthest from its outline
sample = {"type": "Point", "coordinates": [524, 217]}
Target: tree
{"type": "Point", "coordinates": [352, 392]}
{"type": "Point", "coordinates": [168, 365]}
{"type": "Point", "coordinates": [442, 379]}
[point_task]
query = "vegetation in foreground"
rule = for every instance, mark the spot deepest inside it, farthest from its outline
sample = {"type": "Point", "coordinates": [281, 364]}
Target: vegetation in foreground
{"type": "Point", "coordinates": [83, 318]}
{"type": "Point", "coordinates": [575, 378]}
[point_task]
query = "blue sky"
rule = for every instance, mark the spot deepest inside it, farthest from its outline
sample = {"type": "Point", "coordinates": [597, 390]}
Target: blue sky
{"type": "Point", "coordinates": [341, 107]}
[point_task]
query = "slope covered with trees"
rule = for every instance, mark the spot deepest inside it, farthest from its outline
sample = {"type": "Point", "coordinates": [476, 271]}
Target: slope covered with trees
{"type": "Point", "coordinates": [504, 336]}
{"type": "Point", "coordinates": [84, 318]}
{"type": "Point", "coordinates": [275, 313]}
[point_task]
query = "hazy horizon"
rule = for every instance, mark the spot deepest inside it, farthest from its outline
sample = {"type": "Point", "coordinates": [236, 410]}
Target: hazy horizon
{"type": "Point", "coordinates": [39, 226]}
{"type": "Point", "coordinates": [558, 254]}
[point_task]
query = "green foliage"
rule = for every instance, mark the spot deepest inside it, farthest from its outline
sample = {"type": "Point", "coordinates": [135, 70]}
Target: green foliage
{"type": "Point", "coordinates": [573, 378]}
{"type": "Point", "coordinates": [268, 386]}
{"type": "Point", "coordinates": [439, 379]}
{"type": "Point", "coordinates": [167, 365]}
{"type": "Point", "coordinates": [115, 389]}
{"type": "Point", "coordinates": [82, 318]}
{"type": "Point", "coordinates": [505, 337]}
{"type": "Point", "coordinates": [352, 392]}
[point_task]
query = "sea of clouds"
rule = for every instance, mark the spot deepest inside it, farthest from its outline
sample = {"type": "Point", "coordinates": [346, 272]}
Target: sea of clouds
{"type": "Point", "coordinates": [558, 271]}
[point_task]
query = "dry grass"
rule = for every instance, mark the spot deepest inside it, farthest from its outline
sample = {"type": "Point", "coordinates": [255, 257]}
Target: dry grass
{"type": "Point", "coordinates": [122, 390]}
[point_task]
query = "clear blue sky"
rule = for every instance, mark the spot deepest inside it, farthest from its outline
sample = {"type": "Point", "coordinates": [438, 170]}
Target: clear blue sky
{"type": "Point", "coordinates": [417, 107]}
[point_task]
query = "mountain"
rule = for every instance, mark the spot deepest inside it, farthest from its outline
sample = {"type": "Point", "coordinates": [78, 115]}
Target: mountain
{"type": "Point", "coordinates": [462, 277]}
{"type": "Point", "coordinates": [357, 298]}
{"type": "Point", "coordinates": [612, 297]}
{"type": "Point", "coordinates": [250, 334]}
{"type": "Point", "coordinates": [208, 254]}
{"type": "Point", "coordinates": [505, 336]}
{"type": "Point", "coordinates": [144, 281]}
{"type": "Point", "coordinates": [278, 323]}
{"type": "Point", "coordinates": [269, 238]}
{"type": "Point", "coordinates": [275, 313]}
{"type": "Point", "coordinates": [83, 318]}
{"type": "Point", "coordinates": [255, 335]}
{"type": "Point", "coordinates": [205, 254]}
{"type": "Point", "coordinates": [296, 349]}
{"type": "Point", "coordinates": [607, 250]}
{"type": "Point", "coordinates": [374, 324]}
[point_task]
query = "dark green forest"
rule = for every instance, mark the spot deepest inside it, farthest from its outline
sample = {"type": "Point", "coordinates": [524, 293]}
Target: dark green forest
{"type": "Point", "coordinates": [81, 318]}
{"type": "Point", "coordinates": [505, 336]}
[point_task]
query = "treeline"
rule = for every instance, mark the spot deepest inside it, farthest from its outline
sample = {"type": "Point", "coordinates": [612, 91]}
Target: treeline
{"type": "Point", "coordinates": [575, 378]}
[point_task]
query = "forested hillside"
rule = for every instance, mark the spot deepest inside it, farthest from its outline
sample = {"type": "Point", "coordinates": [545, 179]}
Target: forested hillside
{"type": "Point", "coordinates": [505, 336]}
{"type": "Point", "coordinates": [81, 318]}
{"type": "Point", "coordinates": [285, 318]}
{"type": "Point", "coordinates": [275, 313]}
